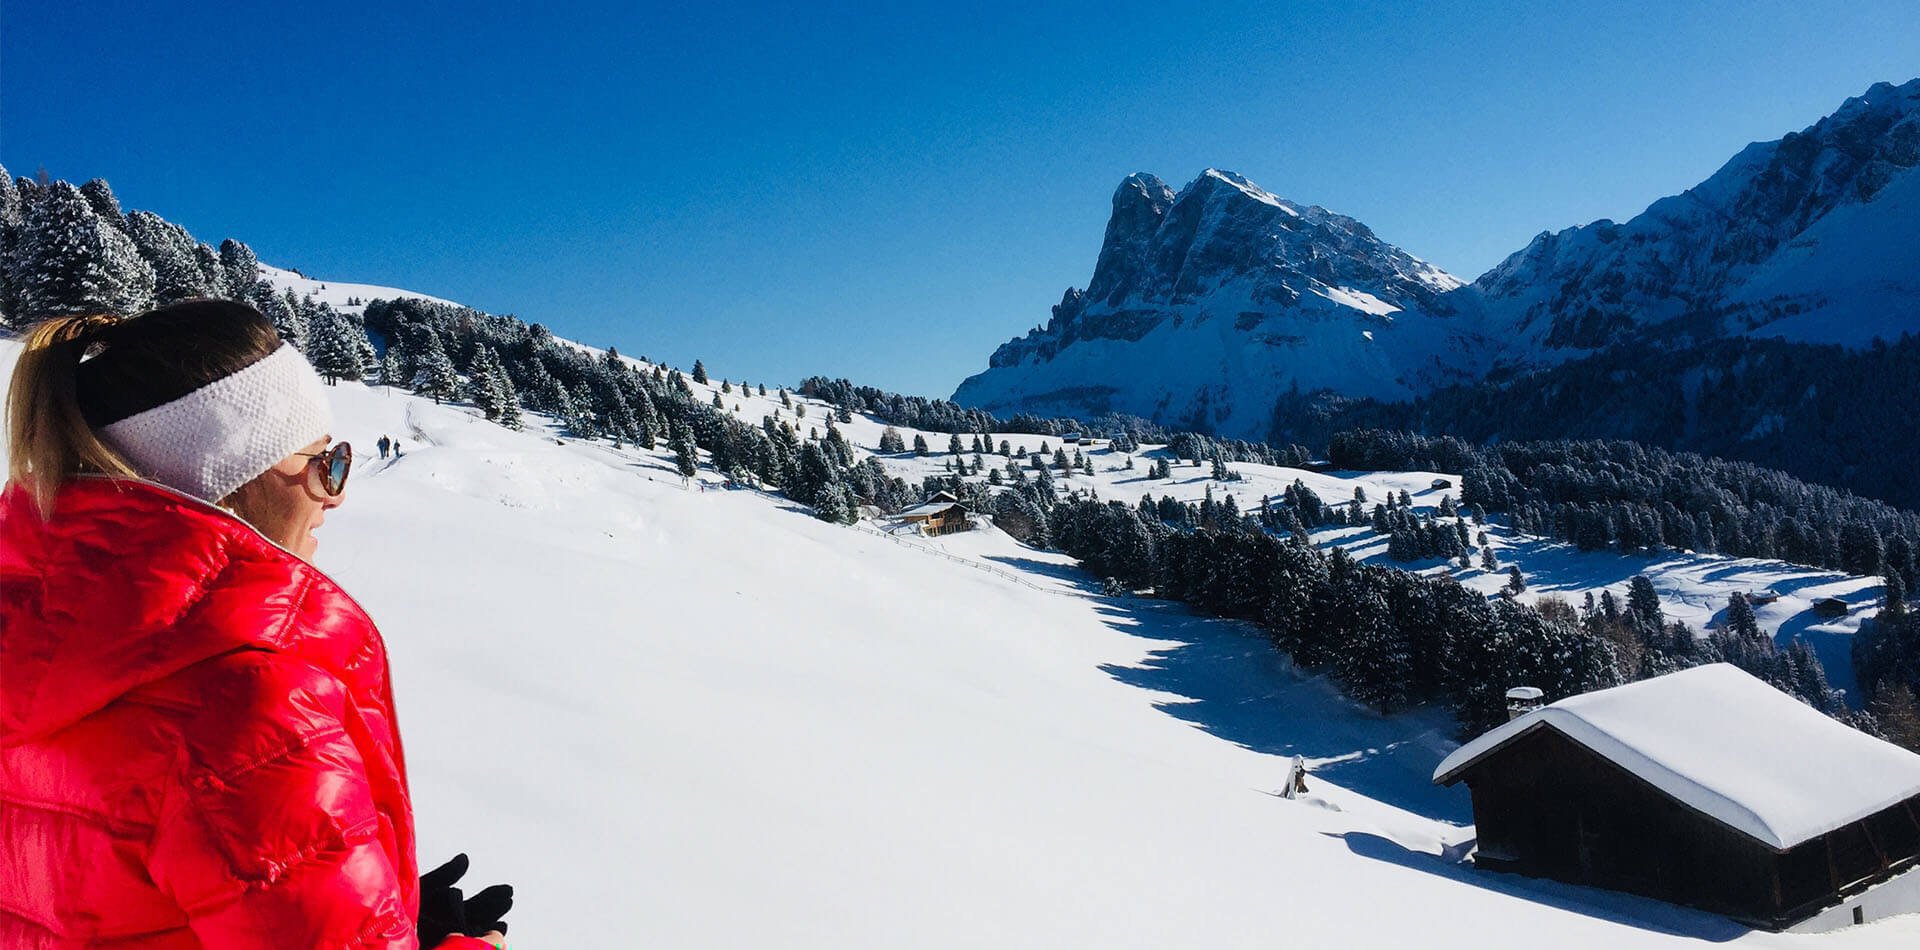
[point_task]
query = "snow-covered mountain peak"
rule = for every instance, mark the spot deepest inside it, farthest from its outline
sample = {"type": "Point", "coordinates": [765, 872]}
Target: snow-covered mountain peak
{"type": "Point", "coordinates": [1807, 237]}
{"type": "Point", "coordinates": [1245, 294]}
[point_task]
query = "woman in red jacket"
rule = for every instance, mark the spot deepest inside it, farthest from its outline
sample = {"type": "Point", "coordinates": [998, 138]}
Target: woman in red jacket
{"type": "Point", "coordinates": [197, 738]}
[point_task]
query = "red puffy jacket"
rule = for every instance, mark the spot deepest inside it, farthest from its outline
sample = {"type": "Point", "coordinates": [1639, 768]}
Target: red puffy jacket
{"type": "Point", "coordinates": [197, 741]}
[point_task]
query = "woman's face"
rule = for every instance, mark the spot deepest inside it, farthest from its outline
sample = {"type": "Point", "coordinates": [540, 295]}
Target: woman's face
{"type": "Point", "coordinates": [286, 502]}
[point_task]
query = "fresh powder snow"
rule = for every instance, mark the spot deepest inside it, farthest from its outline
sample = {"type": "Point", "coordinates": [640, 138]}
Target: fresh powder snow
{"type": "Point", "coordinates": [677, 715]}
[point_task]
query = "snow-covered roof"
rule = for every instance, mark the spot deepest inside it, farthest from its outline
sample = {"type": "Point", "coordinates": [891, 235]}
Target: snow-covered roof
{"type": "Point", "coordinates": [1729, 746]}
{"type": "Point", "coordinates": [928, 508]}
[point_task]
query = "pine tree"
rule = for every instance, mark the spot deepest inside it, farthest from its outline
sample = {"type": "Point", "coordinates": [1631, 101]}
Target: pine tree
{"type": "Point", "coordinates": [241, 267]}
{"type": "Point", "coordinates": [891, 442]}
{"type": "Point", "coordinates": [699, 372]}
{"type": "Point", "coordinates": [333, 350]}
{"type": "Point", "coordinates": [10, 211]}
{"type": "Point", "coordinates": [1516, 581]}
{"type": "Point", "coordinates": [393, 371]}
{"type": "Point", "coordinates": [1898, 714]}
{"type": "Point", "coordinates": [434, 375]}
{"type": "Point", "coordinates": [212, 275]}
{"type": "Point", "coordinates": [169, 250]}
{"type": "Point", "coordinates": [685, 456]}
{"type": "Point", "coordinates": [953, 444]}
{"type": "Point", "coordinates": [106, 206]}
{"type": "Point", "coordinates": [1741, 622]}
{"type": "Point", "coordinates": [1643, 607]}
{"type": "Point", "coordinates": [66, 260]}
{"type": "Point", "coordinates": [481, 387]}
{"type": "Point", "coordinates": [919, 444]}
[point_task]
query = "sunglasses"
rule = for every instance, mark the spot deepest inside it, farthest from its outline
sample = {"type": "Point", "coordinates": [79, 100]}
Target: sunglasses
{"type": "Point", "coordinates": [333, 466]}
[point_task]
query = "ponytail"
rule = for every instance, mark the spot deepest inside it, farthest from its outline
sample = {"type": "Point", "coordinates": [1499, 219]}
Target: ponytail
{"type": "Point", "coordinates": [48, 438]}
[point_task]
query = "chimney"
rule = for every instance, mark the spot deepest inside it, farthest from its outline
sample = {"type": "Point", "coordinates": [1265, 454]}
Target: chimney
{"type": "Point", "coordinates": [1522, 700]}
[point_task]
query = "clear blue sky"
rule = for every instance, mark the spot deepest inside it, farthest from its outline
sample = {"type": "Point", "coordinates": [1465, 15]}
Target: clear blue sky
{"type": "Point", "coordinates": [885, 191]}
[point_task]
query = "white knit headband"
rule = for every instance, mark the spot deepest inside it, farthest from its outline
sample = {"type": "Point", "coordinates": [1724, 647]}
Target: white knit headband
{"type": "Point", "coordinates": [219, 437]}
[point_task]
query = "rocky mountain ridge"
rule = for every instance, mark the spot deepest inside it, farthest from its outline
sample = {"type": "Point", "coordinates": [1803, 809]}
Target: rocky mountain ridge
{"type": "Point", "coordinates": [1207, 305]}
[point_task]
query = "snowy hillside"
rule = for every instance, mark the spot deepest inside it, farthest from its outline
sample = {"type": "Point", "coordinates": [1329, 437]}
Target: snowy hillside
{"type": "Point", "coordinates": [1205, 306]}
{"type": "Point", "coordinates": [678, 715]}
{"type": "Point", "coordinates": [334, 293]}
{"type": "Point", "coordinates": [1809, 237]}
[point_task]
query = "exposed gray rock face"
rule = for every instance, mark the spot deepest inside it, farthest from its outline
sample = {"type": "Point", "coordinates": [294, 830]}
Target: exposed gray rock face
{"type": "Point", "coordinates": [1813, 237]}
{"type": "Point", "coordinates": [1215, 300]}
{"type": "Point", "coordinates": [1206, 305]}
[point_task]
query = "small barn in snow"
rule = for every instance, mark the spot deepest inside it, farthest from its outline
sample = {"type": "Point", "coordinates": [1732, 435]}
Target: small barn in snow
{"type": "Point", "coordinates": [937, 515]}
{"type": "Point", "coordinates": [1705, 787]}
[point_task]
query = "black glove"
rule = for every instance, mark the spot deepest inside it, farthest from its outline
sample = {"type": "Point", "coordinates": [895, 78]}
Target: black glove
{"type": "Point", "coordinates": [443, 912]}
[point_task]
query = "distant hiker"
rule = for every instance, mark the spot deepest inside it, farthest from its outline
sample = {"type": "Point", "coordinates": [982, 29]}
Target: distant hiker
{"type": "Point", "coordinates": [385, 444]}
{"type": "Point", "coordinates": [197, 741]}
{"type": "Point", "coordinates": [1296, 779]}
{"type": "Point", "coordinates": [396, 448]}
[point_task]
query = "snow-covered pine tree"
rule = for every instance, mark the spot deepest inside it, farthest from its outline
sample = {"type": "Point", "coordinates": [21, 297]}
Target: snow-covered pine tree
{"type": "Point", "coordinates": [10, 207]}
{"type": "Point", "coordinates": [507, 397]}
{"type": "Point", "coordinates": [891, 442]}
{"type": "Point", "coordinates": [434, 375]}
{"type": "Point", "coordinates": [1375, 665]}
{"type": "Point", "coordinates": [106, 206]}
{"type": "Point", "coordinates": [393, 371]}
{"type": "Point", "coordinates": [646, 420]}
{"type": "Point", "coordinates": [481, 378]}
{"type": "Point", "coordinates": [170, 251]}
{"type": "Point", "coordinates": [919, 444]}
{"type": "Point", "coordinates": [953, 444]}
{"type": "Point", "coordinates": [212, 275]}
{"type": "Point", "coordinates": [241, 267]}
{"type": "Point", "coordinates": [66, 260]}
{"type": "Point", "coordinates": [1516, 581]}
{"type": "Point", "coordinates": [699, 372]}
{"type": "Point", "coordinates": [332, 348]}
{"type": "Point", "coordinates": [685, 458]}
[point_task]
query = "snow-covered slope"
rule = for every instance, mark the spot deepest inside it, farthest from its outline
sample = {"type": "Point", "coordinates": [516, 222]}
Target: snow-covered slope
{"type": "Point", "coordinates": [1205, 306]}
{"type": "Point", "coordinates": [683, 716]}
{"type": "Point", "coordinates": [336, 293]}
{"type": "Point", "coordinates": [1811, 237]}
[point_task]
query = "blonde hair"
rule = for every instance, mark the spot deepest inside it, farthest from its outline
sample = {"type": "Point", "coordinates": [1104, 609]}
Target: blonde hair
{"type": "Point", "coordinates": [48, 438]}
{"type": "Point", "coordinates": [81, 373]}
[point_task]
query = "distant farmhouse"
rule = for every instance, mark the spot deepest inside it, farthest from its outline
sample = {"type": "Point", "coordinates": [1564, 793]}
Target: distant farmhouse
{"type": "Point", "coordinates": [940, 514]}
{"type": "Point", "coordinates": [1705, 787]}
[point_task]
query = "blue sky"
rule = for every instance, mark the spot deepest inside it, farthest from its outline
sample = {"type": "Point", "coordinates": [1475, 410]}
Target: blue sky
{"type": "Point", "coordinates": [885, 191]}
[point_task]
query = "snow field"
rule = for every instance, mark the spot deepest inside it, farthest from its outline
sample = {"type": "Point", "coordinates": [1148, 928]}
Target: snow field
{"type": "Point", "coordinates": [701, 718]}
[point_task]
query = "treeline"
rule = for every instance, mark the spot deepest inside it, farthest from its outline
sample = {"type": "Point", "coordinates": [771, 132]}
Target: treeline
{"type": "Point", "coordinates": [67, 249]}
{"type": "Point", "coordinates": [1127, 432]}
{"type": "Point", "coordinates": [501, 362]}
{"type": "Point", "coordinates": [1395, 639]}
{"type": "Point", "coordinates": [1634, 499]}
{"type": "Point", "coordinates": [1820, 412]}
{"type": "Point", "coordinates": [1886, 664]}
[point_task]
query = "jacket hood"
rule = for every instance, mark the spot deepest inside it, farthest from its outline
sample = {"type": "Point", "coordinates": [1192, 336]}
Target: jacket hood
{"type": "Point", "coordinates": [130, 582]}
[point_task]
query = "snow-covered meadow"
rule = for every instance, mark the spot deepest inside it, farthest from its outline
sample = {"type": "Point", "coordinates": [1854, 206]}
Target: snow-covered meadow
{"type": "Point", "coordinates": [678, 715]}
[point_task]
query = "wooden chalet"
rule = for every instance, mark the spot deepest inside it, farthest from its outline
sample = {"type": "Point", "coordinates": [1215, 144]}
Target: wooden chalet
{"type": "Point", "coordinates": [1831, 607]}
{"type": "Point", "coordinates": [940, 514]}
{"type": "Point", "coordinates": [1705, 787]}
